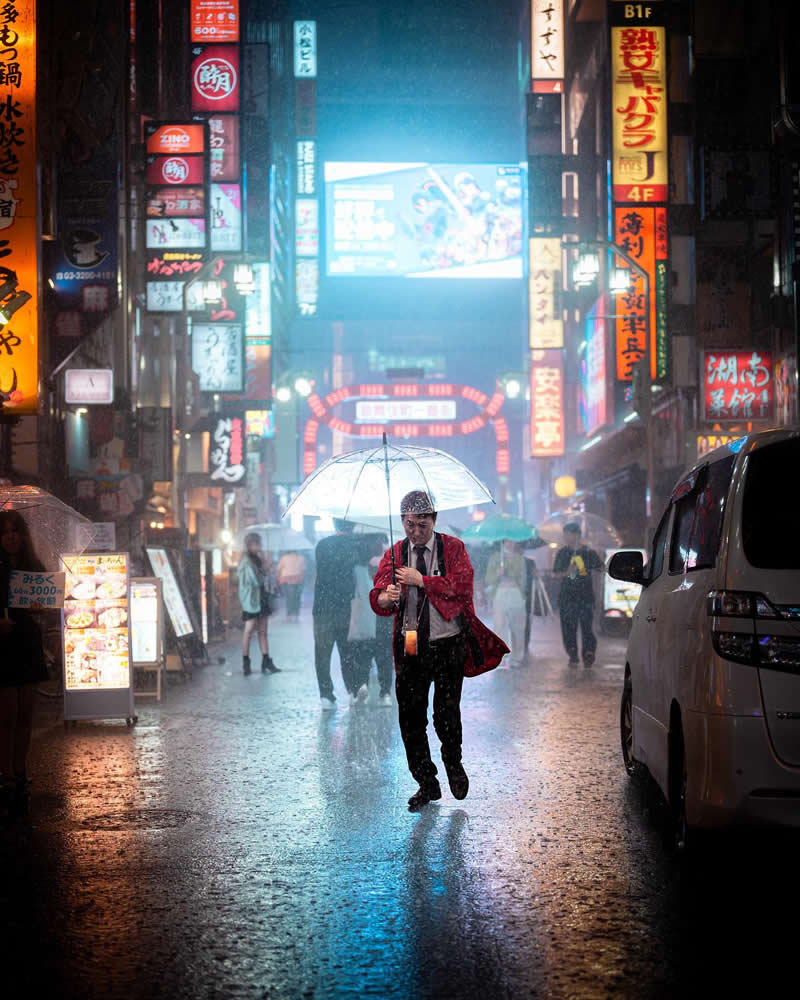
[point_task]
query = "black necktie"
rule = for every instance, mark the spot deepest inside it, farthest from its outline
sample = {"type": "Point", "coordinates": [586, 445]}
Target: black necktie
{"type": "Point", "coordinates": [424, 619]}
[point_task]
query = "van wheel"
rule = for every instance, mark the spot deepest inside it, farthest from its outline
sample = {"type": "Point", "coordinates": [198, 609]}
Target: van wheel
{"type": "Point", "coordinates": [677, 791]}
{"type": "Point", "coordinates": [632, 766]}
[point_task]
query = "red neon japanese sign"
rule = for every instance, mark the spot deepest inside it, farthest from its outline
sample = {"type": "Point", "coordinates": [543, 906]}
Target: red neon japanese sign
{"type": "Point", "coordinates": [737, 385]}
{"type": "Point", "coordinates": [175, 170]}
{"type": "Point", "coordinates": [490, 406]}
{"type": "Point", "coordinates": [215, 78]}
{"type": "Point", "coordinates": [547, 404]}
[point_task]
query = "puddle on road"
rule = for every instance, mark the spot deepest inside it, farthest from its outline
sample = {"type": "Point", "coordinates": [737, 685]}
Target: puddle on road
{"type": "Point", "coordinates": [138, 819]}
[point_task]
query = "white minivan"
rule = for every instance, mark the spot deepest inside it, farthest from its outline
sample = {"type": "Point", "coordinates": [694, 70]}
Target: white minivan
{"type": "Point", "coordinates": [711, 698]}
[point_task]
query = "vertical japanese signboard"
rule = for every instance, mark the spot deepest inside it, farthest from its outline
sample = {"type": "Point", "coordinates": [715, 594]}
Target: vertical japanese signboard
{"type": "Point", "coordinates": [176, 208]}
{"type": "Point", "coordinates": [19, 343]}
{"type": "Point", "coordinates": [596, 401]}
{"type": "Point", "coordinates": [639, 179]}
{"type": "Point", "coordinates": [547, 429]}
{"type": "Point", "coordinates": [641, 231]}
{"type": "Point", "coordinates": [218, 357]}
{"type": "Point", "coordinates": [223, 144]}
{"type": "Point", "coordinates": [737, 386]}
{"type": "Point", "coordinates": [546, 326]}
{"type": "Point", "coordinates": [640, 170]}
{"type": "Point", "coordinates": [226, 456]}
{"type": "Point", "coordinates": [547, 46]}
{"type": "Point", "coordinates": [305, 49]}
{"type": "Point", "coordinates": [306, 208]}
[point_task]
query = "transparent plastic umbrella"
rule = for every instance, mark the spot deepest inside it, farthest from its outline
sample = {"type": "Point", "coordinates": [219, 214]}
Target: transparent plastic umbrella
{"type": "Point", "coordinates": [356, 486]}
{"type": "Point", "coordinates": [595, 530]}
{"type": "Point", "coordinates": [55, 528]}
{"type": "Point", "coordinates": [276, 537]}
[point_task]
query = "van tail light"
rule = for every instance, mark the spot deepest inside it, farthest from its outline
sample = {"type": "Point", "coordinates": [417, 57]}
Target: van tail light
{"type": "Point", "coordinates": [776, 652]}
{"type": "Point", "coordinates": [740, 604]}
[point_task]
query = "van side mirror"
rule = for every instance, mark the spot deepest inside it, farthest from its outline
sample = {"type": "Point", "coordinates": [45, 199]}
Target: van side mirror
{"type": "Point", "coordinates": [627, 566]}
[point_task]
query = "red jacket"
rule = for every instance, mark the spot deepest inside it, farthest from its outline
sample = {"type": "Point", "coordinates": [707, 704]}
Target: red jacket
{"type": "Point", "coordinates": [451, 594]}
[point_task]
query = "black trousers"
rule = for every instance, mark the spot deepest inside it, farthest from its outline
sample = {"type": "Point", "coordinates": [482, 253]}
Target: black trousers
{"type": "Point", "coordinates": [327, 632]}
{"type": "Point", "coordinates": [574, 614]}
{"type": "Point", "coordinates": [441, 664]}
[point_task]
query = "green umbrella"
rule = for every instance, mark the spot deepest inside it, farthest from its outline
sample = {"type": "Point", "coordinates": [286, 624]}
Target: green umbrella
{"type": "Point", "coordinates": [499, 528]}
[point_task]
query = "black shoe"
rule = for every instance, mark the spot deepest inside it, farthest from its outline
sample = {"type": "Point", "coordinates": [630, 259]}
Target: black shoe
{"type": "Point", "coordinates": [588, 659]}
{"type": "Point", "coordinates": [457, 779]}
{"type": "Point", "coordinates": [246, 666]}
{"type": "Point", "coordinates": [573, 661]}
{"type": "Point", "coordinates": [267, 666]}
{"type": "Point", "coordinates": [429, 792]}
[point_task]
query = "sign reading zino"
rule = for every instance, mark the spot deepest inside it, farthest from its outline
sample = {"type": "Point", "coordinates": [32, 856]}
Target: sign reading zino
{"type": "Point", "coordinates": [638, 106]}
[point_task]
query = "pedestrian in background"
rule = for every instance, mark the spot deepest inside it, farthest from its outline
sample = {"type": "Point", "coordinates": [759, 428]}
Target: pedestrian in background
{"type": "Point", "coordinates": [437, 637]}
{"type": "Point", "coordinates": [22, 663]}
{"type": "Point", "coordinates": [505, 583]}
{"type": "Point", "coordinates": [361, 634]}
{"type": "Point", "coordinates": [383, 655]}
{"type": "Point", "coordinates": [291, 574]}
{"type": "Point", "coordinates": [257, 592]}
{"type": "Point", "coordinates": [334, 588]}
{"type": "Point", "coordinates": [574, 564]}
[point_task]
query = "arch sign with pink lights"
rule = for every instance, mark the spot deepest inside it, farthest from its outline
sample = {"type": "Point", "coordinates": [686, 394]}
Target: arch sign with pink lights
{"type": "Point", "coordinates": [406, 411]}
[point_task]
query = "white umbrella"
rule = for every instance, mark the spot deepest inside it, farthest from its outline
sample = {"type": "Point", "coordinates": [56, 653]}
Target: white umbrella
{"type": "Point", "coordinates": [276, 537]}
{"type": "Point", "coordinates": [55, 528]}
{"type": "Point", "coordinates": [367, 485]}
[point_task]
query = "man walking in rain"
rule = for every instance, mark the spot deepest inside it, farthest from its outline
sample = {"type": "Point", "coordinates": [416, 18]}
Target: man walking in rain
{"type": "Point", "coordinates": [334, 587]}
{"type": "Point", "coordinates": [574, 564]}
{"type": "Point", "coordinates": [437, 640]}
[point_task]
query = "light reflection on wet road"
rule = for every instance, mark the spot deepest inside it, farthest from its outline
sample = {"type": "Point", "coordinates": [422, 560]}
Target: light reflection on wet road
{"type": "Point", "coordinates": [238, 843]}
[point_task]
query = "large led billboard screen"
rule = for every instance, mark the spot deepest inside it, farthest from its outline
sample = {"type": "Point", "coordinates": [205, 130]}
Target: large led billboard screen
{"type": "Point", "coordinates": [424, 220]}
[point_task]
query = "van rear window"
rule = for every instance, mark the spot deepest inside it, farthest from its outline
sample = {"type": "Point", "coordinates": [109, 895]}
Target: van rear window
{"type": "Point", "coordinates": [770, 529]}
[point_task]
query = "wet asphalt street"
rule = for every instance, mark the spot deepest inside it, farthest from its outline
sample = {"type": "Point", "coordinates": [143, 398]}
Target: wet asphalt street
{"type": "Point", "coordinates": [237, 843]}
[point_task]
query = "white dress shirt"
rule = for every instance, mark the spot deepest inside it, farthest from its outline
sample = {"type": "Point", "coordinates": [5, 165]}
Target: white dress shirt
{"type": "Point", "coordinates": [440, 628]}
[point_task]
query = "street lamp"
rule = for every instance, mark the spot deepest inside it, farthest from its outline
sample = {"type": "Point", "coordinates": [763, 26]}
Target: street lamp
{"type": "Point", "coordinates": [587, 268]}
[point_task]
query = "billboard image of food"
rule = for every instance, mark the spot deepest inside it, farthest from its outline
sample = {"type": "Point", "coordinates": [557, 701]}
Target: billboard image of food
{"type": "Point", "coordinates": [96, 622]}
{"type": "Point", "coordinates": [424, 220]}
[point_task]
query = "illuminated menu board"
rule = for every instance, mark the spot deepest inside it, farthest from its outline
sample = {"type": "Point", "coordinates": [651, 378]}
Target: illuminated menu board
{"type": "Point", "coordinates": [96, 622]}
{"type": "Point", "coordinates": [146, 621]}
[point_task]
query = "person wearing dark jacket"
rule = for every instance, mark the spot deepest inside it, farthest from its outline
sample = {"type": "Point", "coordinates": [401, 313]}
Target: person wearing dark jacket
{"type": "Point", "coordinates": [22, 662]}
{"type": "Point", "coordinates": [334, 587]}
{"type": "Point", "coordinates": [574, 564]}
{"type": "Point", "coordinates": [438, 640]}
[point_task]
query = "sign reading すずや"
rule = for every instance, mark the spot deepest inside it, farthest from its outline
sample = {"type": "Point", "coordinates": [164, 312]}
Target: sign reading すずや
{"type": "Point", "coordinates": [226, 456]}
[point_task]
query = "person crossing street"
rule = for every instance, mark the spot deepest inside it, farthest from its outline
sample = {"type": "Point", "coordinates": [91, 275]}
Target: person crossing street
{"type": "Point", "coordinates": [438, 640]}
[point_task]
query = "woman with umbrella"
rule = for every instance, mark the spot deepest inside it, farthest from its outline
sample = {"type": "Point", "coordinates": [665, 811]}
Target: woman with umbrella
{"type": "Point", "coordinates": [505, 583]}
{"type": "Point", "coordinates": [22, 662]}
